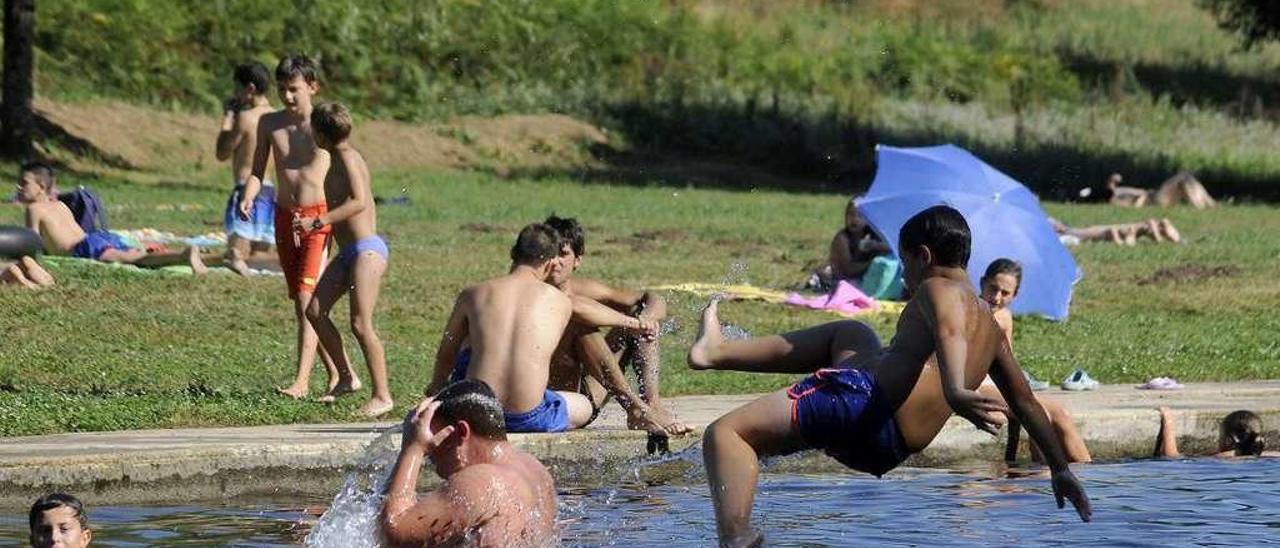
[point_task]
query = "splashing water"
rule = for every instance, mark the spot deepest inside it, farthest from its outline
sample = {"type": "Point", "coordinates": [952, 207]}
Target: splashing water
{"type": "Point", "coordinates": [352, 518]}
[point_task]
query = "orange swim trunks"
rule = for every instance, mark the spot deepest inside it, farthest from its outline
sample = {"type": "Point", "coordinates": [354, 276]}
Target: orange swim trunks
{"type": "Point", "coordinates": [302, 257]}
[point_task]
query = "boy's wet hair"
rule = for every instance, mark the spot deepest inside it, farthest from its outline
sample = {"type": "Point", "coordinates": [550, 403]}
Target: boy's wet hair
{"type": "Point", "coordinates": [943, 230]}
{"type": "Point", "coordinates": [536, 244]}
{"type": "Point", "coordinates": [57, 500]}
{"type": "Point", "coordinates": [332, 120]}
{"type": "Point", "coordinates": [1004, 266]}
{"type": "Point", "coordinates": [297, 64]}
{"type": "Point", "coordinates": [473, 401]}
{"type": "Point", "coordinates": [570, 232]}
{"type": "Point", "coordinates": [45, 174]}
{"type": "Point", "coordinates": [253, 73]}
{"type": "Point", "coordinates": [1244, 430]}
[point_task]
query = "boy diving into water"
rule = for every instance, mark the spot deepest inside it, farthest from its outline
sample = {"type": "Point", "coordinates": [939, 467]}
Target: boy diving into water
{"type": "Point", "coordinates": [871, 407]}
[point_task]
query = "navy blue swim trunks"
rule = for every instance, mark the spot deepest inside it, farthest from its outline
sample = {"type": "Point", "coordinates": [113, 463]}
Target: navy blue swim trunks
{"type": "Point", "coordinates": [843, 412]}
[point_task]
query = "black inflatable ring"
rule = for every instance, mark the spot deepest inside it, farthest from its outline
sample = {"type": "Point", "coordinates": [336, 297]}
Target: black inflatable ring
{"type": "Point", "coordinates": [17, 241]}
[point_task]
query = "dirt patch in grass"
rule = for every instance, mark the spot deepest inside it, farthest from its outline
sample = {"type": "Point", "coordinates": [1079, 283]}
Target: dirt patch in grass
{"type": "Point", "coordinates": [174, 142]}
{"type": "Point", "coordinates": [1190, 273]}
{"type": "Point", "coordinates": [651, 240]}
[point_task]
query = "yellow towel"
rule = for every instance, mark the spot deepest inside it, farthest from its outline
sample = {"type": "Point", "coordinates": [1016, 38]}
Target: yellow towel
{"type": "Point", "coordinates": [753, 293]}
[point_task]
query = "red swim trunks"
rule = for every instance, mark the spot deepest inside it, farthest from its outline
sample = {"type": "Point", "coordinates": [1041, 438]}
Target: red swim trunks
{"type": "Point", "coordinates": [303, 256]}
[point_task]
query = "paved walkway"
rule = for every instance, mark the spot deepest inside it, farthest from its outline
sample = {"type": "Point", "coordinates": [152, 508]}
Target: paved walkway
{"type": "Point", "coordinates": [164, 465]}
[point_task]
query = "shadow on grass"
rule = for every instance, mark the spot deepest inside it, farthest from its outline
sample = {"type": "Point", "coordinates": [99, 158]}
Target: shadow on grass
{"type": "Point", "coordinates": [737, 148]}
{"type": "Point", "coordinates": [1195, 83]}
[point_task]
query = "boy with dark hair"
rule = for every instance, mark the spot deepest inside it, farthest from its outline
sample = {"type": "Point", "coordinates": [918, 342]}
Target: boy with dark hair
{"type": "Point", "coordinates": [511, 325]}
{"type": "Point", "coordinates": [59, 519]}
{"type": "Point", "coordinates": [866, 406]}
{"type": "Point", "coordinates": [55, 224]}
{"type": "Point", "coordinates": [249, 239]}
{"type": "Point", "coordinates": [493, 493]}
{"type": "Point", "coordinates": [592, 363]}
{"type": "Point", "coordinates": [362, 256]}
{"type": "Point", "coordinates": [301, 167]}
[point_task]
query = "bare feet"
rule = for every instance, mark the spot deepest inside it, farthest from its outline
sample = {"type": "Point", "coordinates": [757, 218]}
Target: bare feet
{"type": "Point", "coordinates": [37, 273]}
{"type": "Point", "coordinates": [342, 388]}
{"type": "Point", "coordinates": [296, 392]}
{"type": "Point", "coordinates": [751, 539]}
{"type": "Point", "coordinates": [1115, 236]}
{"type": "Point", "coordinates": [197, 265]}
{"type": "Point", "coordinates": [656, 420]}
{"type": "Point", "coordinates": [375, 407]}
{"type": "Point", "coordinates": [1131, 236]}
{"type": "Point", "coordinates": [709, 337]}
{"type": "Point", "coordinates": [1153, 226]}
{"type": "Point", "coordinates": [239, 267]}
{"type": "Point", "coordinates": [1170, 232]}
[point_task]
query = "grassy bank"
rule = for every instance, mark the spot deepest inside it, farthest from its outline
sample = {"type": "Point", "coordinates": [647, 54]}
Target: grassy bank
{"type": "Point", "coordinates": [110, 349]}
{"type": "Point", "coordinates": [1146, 87]}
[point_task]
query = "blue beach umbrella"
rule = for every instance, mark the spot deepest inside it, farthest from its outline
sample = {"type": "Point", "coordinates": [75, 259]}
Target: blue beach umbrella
{"type": "Point", "coordinates": [1005, 218]}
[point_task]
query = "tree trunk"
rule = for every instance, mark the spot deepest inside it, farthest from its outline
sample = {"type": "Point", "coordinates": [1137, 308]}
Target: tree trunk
{"type": "Point", "coordinates": [16, 118]}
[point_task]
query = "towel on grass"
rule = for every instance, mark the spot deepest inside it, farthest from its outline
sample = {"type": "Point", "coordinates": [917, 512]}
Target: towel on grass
{"type": "Point", "coordinates": [753, 293]}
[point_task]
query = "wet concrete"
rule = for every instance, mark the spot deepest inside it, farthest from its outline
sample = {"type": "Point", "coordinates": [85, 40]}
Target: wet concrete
{"type": "Point", "coordinates": [167, 466]}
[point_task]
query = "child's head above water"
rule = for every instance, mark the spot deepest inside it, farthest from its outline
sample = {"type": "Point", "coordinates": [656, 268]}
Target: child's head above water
{"type": "Point", "coordinates": [1241, 432]}
{"type": "Point", "coordinates": [1000, 283]}
{"type": "Point", "coordinates": [937, 237]}
{"type": "Point", "coordinates": [58, 519]}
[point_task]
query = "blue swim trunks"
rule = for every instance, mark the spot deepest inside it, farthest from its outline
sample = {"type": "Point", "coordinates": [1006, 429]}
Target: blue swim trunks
{"type": "Point", "coordinates": [375, 243]}
{"type": "Point", "coordinates": [552, 415]}
{"type": "Point", "coordinates": [95, 243]}
{"type": "Point", "coordinates": [843, 412]}
{"type": "Point", "coordinates": [261, 224]}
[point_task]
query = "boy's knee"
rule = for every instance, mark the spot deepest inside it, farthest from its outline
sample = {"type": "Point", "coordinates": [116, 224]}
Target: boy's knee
{"type": "Point", "coordinates": [312, 310]}
{"type": "Point", "coordinates": [362, 326]}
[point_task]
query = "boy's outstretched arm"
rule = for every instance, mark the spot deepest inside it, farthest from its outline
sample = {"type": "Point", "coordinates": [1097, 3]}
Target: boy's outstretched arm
{"type": "Point", "coordinates": [589, 312]}
{"type": "Point", "coordinates": [945, 307]}
{"type": "Point", "coordinates": [253, 184]}
{"type": "Point", "coordinates": [455, 332]}
{"type": "Point", "coordinates": [1008, 378]}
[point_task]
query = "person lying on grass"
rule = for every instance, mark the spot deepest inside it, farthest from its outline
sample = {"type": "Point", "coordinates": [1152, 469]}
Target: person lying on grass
{"type": "Point", "coordinates": [871, 407]}
{"type": "Point", "coordinates": [56, 225]}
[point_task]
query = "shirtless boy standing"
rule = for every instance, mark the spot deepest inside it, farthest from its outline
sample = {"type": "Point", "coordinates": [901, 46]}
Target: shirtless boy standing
{"type": "Point", "coordinates": [493, 494]}
{"type": "Point", "coordinates": [362, 255]}
{"type": "Point", "coordinates": [866, 406]}
{"type": "Point", "coordinates": [513, 324]}
{"type": "Point", "coordinates": [58, 228]}
{"type": "Point", "coordinates": [300, 171]}
{"type": "Point", "coordinates": [252, 238]}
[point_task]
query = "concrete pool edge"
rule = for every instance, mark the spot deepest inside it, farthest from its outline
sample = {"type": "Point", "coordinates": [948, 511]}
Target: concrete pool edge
{"type": "Point", "coordinates": [166, 466]}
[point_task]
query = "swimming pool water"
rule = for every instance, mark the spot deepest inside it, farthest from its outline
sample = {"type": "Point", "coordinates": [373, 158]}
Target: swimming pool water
{"type": "Point", "coordinates": [1197, 502]}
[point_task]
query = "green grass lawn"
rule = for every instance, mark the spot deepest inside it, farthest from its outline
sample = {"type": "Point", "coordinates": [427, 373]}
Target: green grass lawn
{"type": "Point", "coordinates": [113, 349]}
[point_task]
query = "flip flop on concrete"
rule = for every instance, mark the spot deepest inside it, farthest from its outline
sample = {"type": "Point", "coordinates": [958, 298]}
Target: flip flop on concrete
{"type": "Point", "coordinates": [1079, 380]}
{"type": "Point", "coordinates": [1160, 383]}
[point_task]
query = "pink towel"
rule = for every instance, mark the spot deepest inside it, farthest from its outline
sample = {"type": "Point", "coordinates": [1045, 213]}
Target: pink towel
{"type": "Point", "coordinates": [845, 298]}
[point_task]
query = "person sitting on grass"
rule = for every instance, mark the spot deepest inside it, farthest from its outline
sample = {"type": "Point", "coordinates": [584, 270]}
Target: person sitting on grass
{"type": "Point", "coordinates": [59, 520]}
{"type": "Point", "coordinates": [591, 362]}
{"type": "Point", "coordinates": [858, 255]}
{"type": "Point", "coordinates": [871, 407]}
{"type": "Point", "coordinates": [25, 272]}
{"type": "Point", "coordinates": [1159, 230]}
{"type": "Point", "coordinates": [362, 256]}
{"type": "Point", "coordinates": [999, 287]}
{"type": "Point", "coordinates": [58, 228]}
{"type": "Point", "coordinates": [1239, 435]}
{"type": "Point", "coordinates": [493, 493]}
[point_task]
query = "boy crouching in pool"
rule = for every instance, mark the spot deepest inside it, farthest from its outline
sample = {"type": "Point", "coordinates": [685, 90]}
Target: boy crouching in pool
{"type": "Point", "coordinates": [300, 172]}
{"type": "Point", "coordinates": [866, 406]}
{"type": "Point", "coordinates": [58, 228]}
{"type": "Point", "coordinates": [362, 254]}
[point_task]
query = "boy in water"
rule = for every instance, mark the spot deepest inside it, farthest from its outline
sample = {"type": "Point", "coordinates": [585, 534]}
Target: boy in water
{"type": "Point", "coordinates": [1239, 435]}
{"type": "Point", "coordinates": [237, 141]}
{"type": "Point", "coordinates": [300, 172]}
{"type": "Point", "coordinates": [493, 494]}
{"type": "Point", "coordinates": [362, 256]}
{"type": "Point", "coordinates": [871, 407]}
{"type": "Point", "coordinates": [59, 520]}
{"type": "Point", "coordinates": [56, 225]}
